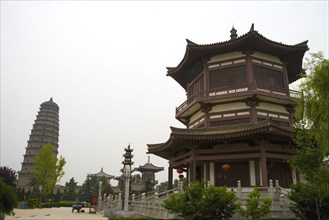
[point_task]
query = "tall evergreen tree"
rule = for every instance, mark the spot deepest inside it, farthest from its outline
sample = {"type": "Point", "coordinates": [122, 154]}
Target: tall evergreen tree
{"type": "Point", "coordinates": [69, 193]}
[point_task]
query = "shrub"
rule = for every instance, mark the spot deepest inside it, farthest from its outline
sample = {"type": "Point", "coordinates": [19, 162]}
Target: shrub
{"type": "Point", "coordinates": [202, 203]}
{"type": "Point", "coordinates": [254, 209]}
{"type": "Point", "coordinates": [8, 199]}
{"type": "Point", "coordinates": [33, 203]}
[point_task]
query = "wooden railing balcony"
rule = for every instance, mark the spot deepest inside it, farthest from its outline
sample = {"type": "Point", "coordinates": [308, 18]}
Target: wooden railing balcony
{"type": "Point", "coordinates": [236, 91]}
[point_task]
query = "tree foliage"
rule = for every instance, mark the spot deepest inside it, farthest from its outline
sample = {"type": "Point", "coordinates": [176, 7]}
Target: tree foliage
{"type": "Point", "coordinates": [312, 141]}
{"type": "Point", "coordinates": [306, 203]}
{"type": "Point", "coordinates": [148, 186]}
{"type": "Point", "coordinates": [8, 199]}
{"type": "Point", "coordinates": [106, 187]}
{"type": "Point", "coordinates": [314, 103]}
{"type": "Point", "coordinates": [69, 193]}
{"type": "Point", "coordinates": [254, 209]}
{"type": "Point", "coordinates": [136, 178]}
{"type": "Point", "coordinates": [48, 169]}
{"type": "Point", "coordinates": [9, 176]}
{"type": "Point", "coordinates": [198, 202]}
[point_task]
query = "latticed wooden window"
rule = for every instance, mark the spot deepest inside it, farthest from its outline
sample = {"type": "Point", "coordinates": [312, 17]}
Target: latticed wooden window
{"type": "Point", "coordinates": [268, 77]}
{"type": "Point", "coordinates": [227, 77]}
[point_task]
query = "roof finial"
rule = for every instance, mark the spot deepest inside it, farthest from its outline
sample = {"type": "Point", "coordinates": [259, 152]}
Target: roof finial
{"type": "Point", "coordinates": [252, 27]}
{"type": "Point", "coordinates": [233, 33]}
{"type": "Point", "coordinates": [51, 99]}
{"type": "Point", "coordinates": [148, 159]}
{"type": "Point", "coordinates": [102, 169]}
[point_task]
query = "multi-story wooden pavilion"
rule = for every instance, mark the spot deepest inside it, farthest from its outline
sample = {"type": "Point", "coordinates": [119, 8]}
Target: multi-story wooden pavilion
{"type": "Point", "coordinates": [238, 113]}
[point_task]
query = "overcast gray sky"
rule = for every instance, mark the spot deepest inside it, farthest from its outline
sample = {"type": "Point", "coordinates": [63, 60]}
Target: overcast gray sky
{"type": "Point", "coordinates": [104, 63]}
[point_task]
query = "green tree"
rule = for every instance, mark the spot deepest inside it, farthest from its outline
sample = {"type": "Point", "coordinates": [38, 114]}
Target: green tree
{"type": "Point", "coordinates": [136, 178]}
{"type": "Point", "coordinates": [69, 193]}
{"type": "Point", "coordinates": [86, 190]}
{"type": "Point", "coordinates": [312, 140]}
{"type": "Point", "coordinates": [314, 103]}
{"type": "Point", "coordinates": [48, 169]}
{"type": "Point", "coordinates": [106, 187]}
{"type": "Point", "coordinates": [163, 186]}
{"type": "Point", "coordinates": [254, 209]}
{"type": "Point", "coordinates": [148, 186]}
{"type": "Point", "coordinates": [198, 202]}
{"type": "Point", "coordinates": [305, 199]}
{"type": "Point", "coordinates": [9, 176]}
{"type": "Point", "coordinates": [8, 199]}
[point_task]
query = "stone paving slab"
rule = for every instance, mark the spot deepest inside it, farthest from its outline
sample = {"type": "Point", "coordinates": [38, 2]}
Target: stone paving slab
{"type": "Point", "coordinates": [63, 213]}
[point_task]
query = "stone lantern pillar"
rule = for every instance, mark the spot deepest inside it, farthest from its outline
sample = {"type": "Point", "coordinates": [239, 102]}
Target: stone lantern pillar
{"type": "Point", "coordinates": [127, 176]}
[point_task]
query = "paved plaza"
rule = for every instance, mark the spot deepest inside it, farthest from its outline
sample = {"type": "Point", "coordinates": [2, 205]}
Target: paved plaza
{"type": "Point", "coordinates": [64, 213]}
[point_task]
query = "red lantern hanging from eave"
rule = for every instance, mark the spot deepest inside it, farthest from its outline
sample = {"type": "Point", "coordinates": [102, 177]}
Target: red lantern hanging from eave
{"type": "Point", "coordinates": [180, 170]}
{"type": "Point", "coordinates": [226, 167]}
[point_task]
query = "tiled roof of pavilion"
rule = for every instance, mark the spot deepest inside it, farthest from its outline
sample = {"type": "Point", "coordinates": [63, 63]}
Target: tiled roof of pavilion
{"type": "Point", "coordinates": [148, 167]}
{"type": "Point", "coordinates": [252, 41]}
{"type": "Point", "coordinates": [181, 137]}
{"type": "Point", "coordinates": [102, 173]}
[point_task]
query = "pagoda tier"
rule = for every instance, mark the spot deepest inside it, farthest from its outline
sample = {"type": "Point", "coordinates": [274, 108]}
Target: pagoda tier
{"type": "Point", "coordinates": [45, 131]}
{"type": "Point", "coordinates": [238, 111]}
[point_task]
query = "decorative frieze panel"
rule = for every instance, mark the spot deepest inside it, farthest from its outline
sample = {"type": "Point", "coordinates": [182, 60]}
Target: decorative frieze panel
{"type": "Point", "coordinates": [268, 64]}
{"type": "Point", "coordinates": [227, 56]}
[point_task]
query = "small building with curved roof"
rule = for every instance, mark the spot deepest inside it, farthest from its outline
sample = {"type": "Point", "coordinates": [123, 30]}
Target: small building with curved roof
{"type": "Point", "coordinates": [148, 171]}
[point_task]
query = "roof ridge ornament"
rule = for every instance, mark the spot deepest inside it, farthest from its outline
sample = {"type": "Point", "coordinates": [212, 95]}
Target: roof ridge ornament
{"type": "Point", "coordinates": [252, 27]}
{"type": "Point", "coordinates": [190, 42]}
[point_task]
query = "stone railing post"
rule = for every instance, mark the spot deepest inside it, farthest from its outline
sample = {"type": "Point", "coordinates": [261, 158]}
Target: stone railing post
{"type": "Point", "coordinates": [119, 202]}
{"type": "Point", "coordinates": [282, 205]}
{"type": "Point", "coordinates": [277, 183]}
{"type": "Point", "coordinates": [143, 196]}
{"type": "Point", "coordinates": [133, 197]}
{"type": "Point", "coordinates": [239, 190]}
{"type": "Point", "coordinates": [180, 185]}
{"type": "Point", "coordinates": [156, 196]}
{"type": "Point", "coordinates": [271, 189]}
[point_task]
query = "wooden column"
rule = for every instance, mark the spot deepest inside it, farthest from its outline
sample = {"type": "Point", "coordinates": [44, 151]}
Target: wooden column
{"type": "Point", "coordinates": [205, 75]}
{"type": "Point", "coordinates": [263, 166]}
{"type": "Point", "coordinates": [249, 68]}
{"type": "Point", "coordinates": [193, 179]}
{"type": "Point", "coordinates": [253, 102]}
{"type": "Point", "coordinates": [170, 177]}
{"type": "Point", "coordinates": [207, 174]}
{"type": "Point", "coordinates": [285, 75]}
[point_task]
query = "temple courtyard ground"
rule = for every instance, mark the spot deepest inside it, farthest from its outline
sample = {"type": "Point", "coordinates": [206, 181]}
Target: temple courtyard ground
{"type": "Point", "coordinates": [64, 213]}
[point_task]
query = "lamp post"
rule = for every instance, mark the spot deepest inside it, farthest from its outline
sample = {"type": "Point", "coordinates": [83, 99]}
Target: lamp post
{"type": "Point", "coordinates": [40, 190]}
{"type": "Point", "coordinates": [100, 195]}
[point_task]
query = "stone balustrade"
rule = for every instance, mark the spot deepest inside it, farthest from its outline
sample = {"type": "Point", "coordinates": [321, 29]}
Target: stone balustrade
{"type": "Point", "coordinates": [150, 205]}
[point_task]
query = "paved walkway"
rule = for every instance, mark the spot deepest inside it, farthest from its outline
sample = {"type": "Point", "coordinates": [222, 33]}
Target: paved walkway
{"type": "Point", "coordinates": [64, 213]}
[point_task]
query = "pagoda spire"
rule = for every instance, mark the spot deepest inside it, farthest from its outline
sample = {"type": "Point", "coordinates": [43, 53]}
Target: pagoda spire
{"type": "Point", "coordinates": [233, 33]}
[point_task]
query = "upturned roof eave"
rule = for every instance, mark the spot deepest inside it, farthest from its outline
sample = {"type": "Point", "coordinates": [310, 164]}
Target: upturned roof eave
{"type": "Point", "coordinates": [210, 134]}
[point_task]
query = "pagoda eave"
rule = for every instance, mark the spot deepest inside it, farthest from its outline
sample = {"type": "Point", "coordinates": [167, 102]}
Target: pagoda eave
{"type": "Point", "coordinates": [180, 137]}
